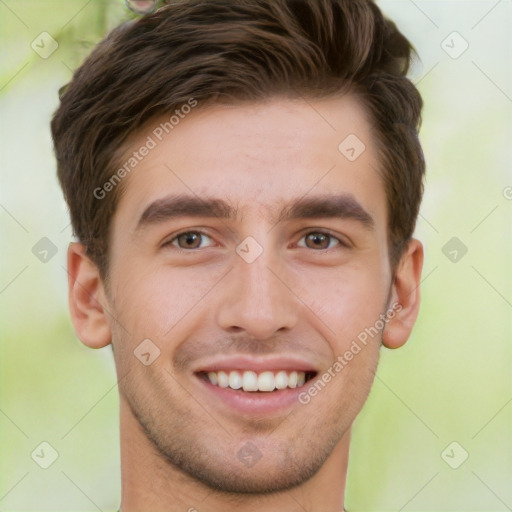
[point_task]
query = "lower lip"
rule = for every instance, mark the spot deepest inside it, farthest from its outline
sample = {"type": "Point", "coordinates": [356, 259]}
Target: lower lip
{"type": "Point", "coordinates": [255, 402]}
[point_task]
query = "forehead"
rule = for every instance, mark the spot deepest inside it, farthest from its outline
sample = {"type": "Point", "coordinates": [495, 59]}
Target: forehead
{"type": "Point", "coordinates": [256, 155]}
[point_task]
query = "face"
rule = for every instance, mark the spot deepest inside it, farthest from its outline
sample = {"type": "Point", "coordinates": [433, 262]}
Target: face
{"type": "Point", "coordinates": [251, 252]}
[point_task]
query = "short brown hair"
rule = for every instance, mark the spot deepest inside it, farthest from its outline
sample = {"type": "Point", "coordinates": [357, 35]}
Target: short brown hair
{"type": "Point", "coordinates": [244, 50]}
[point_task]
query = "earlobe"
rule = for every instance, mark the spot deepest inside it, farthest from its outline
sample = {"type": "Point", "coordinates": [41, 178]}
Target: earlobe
{"type": "Point", "coordinates": [405, 297]}
{"type": "Point", "coordinates": [87, 299]}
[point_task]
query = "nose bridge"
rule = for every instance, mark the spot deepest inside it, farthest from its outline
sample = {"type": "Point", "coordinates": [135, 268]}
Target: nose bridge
{"type": "Point", "coordinates": [258, 280]}
{"type": "Point", "coordinates": [256, 299]}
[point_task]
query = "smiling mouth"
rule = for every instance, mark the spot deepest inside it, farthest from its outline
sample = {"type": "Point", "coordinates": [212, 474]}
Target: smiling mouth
{"type": "Point", "coordinates": [254, 382]}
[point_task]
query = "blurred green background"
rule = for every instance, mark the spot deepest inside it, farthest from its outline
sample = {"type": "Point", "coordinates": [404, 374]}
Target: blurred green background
{"type": "Point", "coordinates": [451, 383]}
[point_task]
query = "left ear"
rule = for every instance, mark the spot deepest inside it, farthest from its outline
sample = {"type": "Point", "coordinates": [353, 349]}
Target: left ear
{"type": "Point", "coordinates": [405, 293]}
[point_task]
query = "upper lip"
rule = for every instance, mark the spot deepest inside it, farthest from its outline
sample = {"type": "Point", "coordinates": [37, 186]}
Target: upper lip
{"type": "Point", "coordinates": [255, 364]}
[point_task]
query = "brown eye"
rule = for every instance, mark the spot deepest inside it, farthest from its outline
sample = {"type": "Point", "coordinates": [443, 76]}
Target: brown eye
{"type": "Point", "coordinates": [319, 240]}
{"type": "Point", "coordinates": [189, 240]}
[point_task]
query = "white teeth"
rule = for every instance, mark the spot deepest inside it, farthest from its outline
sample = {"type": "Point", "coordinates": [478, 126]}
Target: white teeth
{"type": "Point", "coordinates": [292, 380]}
{"type": "Point", "coordinates": [251, 381]}
{"type": "Point", "coordinates": [222, 379]}
{"type": "Point", "coordinates": [281, 380]}
{"type": "Point", "coordinates": [235, 380]}
{"type": "Point", "coordinates": [266, 381]}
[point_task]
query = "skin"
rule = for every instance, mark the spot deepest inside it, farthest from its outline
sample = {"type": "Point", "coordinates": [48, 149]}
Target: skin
{"type": "Point", "coordinates": [178, 450]}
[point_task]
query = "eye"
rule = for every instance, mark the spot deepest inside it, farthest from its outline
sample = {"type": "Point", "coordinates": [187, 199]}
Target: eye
{"type": "Point", "coordinates": [319, 240]}
{"type": "Point", "coordinates": [188, 240]}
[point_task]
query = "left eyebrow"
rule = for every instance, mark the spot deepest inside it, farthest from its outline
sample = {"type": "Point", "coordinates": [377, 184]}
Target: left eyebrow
{"type": "Point", "coordinates": [342, 206]}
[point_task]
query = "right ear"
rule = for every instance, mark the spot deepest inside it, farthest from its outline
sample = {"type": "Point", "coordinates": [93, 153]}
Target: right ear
{"type": "Point", "coordinates": [87, 297]}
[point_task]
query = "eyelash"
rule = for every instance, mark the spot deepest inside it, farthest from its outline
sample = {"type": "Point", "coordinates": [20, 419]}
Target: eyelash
{"type": "Point", "coordinates": [341, 243]}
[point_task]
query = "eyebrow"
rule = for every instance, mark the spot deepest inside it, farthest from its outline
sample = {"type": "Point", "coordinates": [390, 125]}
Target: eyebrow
{"type": "Point", "coordinates": [342, 206]}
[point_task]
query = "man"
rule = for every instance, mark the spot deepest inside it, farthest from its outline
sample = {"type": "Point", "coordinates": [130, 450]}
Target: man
{"type": "Point", "coordinates": [244, 180]}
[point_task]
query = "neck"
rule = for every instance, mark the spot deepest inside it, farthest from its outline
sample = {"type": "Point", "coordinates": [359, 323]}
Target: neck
{"type": "Point", "coordinates": [150, 483]}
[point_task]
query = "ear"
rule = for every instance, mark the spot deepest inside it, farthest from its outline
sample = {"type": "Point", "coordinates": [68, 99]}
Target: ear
{"type": "Point", "coordinates": [87, 299]}
{"type": "Point", "coordinates": [405, 293]}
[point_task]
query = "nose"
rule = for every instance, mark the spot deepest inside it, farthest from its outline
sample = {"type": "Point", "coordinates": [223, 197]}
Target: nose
{"type": "Point", "coordinates": [257, 299]}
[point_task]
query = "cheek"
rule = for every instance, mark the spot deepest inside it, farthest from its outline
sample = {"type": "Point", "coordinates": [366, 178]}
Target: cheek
{"type": "Point", "coordinates": [346, 301]}
{"type": "Point", "coordinates": [151, 302]}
